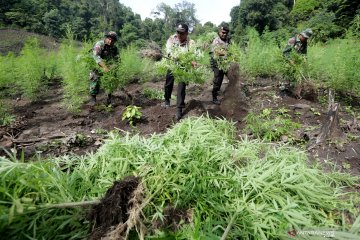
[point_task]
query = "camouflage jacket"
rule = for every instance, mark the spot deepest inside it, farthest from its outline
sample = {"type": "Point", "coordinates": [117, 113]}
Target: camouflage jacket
{"type": "Point", "coordinates": [173, 42]}
{"type": "Point", "coordinates": [103, 52]}
{"type": "Point", "coordinates": [297, 45]}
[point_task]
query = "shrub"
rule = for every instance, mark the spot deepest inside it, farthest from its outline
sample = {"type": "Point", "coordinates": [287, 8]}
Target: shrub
{"type": "Point", "coordinates": [31, 68]}
{"type": "Point", "coordinates": [75, 63]}
{"type": "Point", "coordinates": [131, 114]}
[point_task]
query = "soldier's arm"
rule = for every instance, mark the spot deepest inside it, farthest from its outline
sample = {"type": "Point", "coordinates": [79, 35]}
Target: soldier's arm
{"type": "Point", "coordinates": [97, 57]}
{"type": "Point", "coordinates": [288, 48]}
{"type": "Point", "coordinates": [169, 45]}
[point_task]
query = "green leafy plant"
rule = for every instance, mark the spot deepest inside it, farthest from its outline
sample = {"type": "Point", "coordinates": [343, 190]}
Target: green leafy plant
{"type": "Point", "coordinates": [104, 108]}
{"type": "Point", "coordinates": [270, 126]}
{"type": "Point", "coordinates": [260, 57]}
{"type": "Point", "coordinates": [131, 114]}
{"type": "Point", "coordinates": [31, 70]}
{"type": "Point", "coordinates": [180, 64]}
{"type": "Point", "coordinates": [75, 64]}
{"type": "Point", "coordinates": [129, 67]}
{"type": "Point", "coordinates": [153, 93]}
{"type": "Point", "coordinates": [5, 117]}
{"type": "Point", "coordinates": [232, 55]}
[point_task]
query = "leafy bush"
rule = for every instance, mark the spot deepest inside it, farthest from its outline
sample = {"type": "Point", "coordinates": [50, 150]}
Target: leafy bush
{"type": "Point", "coordinates": [303, 9]}
{"type": "Point", "coordinates": [232, 55]}
{"type": "Point", "coordinates": [7, 77]}
{"type": "Point", "coordinates": [5, 117]}
{"type": "Point", "coordinates": [130, 67]}
{"type": "Point", "coordinates": [153, 93]}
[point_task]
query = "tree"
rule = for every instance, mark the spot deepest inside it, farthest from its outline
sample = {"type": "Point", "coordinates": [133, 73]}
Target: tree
{"type": "Point", "coordinates": [182, 12]}
{"type": "Point", "coordinates": [52, 21]}
{"type": "Point", "coordinates": [304, 10]}
{"type": "Point", "coordinates": [262, 13]}
{"type": "Point", "coordinates": [185, 12]}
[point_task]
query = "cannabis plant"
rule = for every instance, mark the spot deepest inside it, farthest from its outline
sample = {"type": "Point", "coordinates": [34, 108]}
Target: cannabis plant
{"type": "Point", "coordinates": [181, 65]}
{"type": "Point", "coordinates": [131, 114]}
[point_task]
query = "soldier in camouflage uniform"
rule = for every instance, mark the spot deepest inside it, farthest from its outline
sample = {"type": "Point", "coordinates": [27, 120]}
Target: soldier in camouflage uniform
{"type": "Point", "coordinates": [103, 52]}
{"type": "Point", "coordinates": [298, 43]}
{"type": "Point", "coordinates": [219, 50]}
{"type": "Point", "coordinates": [181, 41]}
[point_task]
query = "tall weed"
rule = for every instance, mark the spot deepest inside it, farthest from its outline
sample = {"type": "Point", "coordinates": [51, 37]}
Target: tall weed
{"type": "Point", "coordinates": [30, 72]}
{"type": "Point", "coordinates": [261, 57]}
{"type": "Point", "coordinates": [336, 64]}
{"type": "Point", "coordinates": [75, 64]}
{"type": "Point", "coordinates": [7, 78]}
{"type": "Point", "coordinates": [130, 67]}
{"type": "Point", "coordinates": [133, 67]}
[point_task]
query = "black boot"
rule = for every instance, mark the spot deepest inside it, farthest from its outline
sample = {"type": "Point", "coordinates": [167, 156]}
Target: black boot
{"type": "Point", "coordinates": [215, 101]}
{"type": "Point", "coordinates": [93, 100]}
{"type": "Point", "coordinates": [178, 114]}
{"type": "Point", "coordinates": [167, 103]}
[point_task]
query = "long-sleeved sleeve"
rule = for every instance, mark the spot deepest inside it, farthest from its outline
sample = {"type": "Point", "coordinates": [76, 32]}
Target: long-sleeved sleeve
{"type": "Point", "coordinates": [288, 47]}
{"type": "Point", "coordinates": [97, 52]}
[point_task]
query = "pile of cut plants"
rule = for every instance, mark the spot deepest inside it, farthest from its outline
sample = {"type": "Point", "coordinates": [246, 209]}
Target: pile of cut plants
{"type": "Point", "coordinates": [196, 181]}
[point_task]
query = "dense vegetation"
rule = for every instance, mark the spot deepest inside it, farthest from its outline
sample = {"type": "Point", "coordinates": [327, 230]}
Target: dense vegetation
{"type": "Point", "coordinates": [328, 19]}
{"type": "Point", "coordinates": [259, 190]}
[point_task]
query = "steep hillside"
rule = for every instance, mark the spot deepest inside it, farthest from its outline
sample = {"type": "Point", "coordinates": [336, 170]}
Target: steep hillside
{"type": "Point", "coordinates": [12, 40]}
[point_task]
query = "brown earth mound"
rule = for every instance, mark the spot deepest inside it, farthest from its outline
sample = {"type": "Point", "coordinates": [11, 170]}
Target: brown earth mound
{"type": "Point", "coordinates": [119, 211]}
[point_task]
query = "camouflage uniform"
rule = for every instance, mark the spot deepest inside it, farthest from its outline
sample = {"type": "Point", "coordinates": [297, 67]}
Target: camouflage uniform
{"type": "Point", "coordinates": [297, 45]}
{"type": "Point", "coordinates": [172, 42]}
{"type": "Point", "coordinates": [218, 45]}
{"type": "Point", "coordinates": [101, 52]}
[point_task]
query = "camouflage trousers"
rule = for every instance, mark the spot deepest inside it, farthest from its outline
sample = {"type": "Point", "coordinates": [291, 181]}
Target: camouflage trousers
{"type": "Point", "coordinates": [94, 85]}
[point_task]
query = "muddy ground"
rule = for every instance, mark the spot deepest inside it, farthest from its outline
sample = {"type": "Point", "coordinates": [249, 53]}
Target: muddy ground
{"type": "Point", "coordinates": [45, 128]}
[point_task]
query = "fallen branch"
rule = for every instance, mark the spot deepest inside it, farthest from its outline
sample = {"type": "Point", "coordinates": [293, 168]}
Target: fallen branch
{"type": "Point", "coordinates": [71, 204]}
{"type": "Point", "coordinates": [33, 140]}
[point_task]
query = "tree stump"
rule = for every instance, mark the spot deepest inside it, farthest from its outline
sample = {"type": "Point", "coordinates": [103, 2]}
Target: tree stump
{"type": "Point", "coordinates": [330, 128]}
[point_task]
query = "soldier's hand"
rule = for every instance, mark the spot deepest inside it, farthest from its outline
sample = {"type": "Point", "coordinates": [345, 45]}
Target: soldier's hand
{"type": "Point", "coordinates": [194, 64]}
{"type": "Point", "coordinates": [106, 69]}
